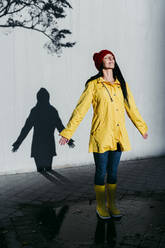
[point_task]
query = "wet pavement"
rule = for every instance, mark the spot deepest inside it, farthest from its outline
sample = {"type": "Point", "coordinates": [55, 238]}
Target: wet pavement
{"type": "Point", "coordinates": [57, 208]}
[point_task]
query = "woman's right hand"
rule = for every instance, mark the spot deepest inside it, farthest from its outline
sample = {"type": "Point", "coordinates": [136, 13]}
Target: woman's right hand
{"type": "Point", "coordinates": [63, 141]}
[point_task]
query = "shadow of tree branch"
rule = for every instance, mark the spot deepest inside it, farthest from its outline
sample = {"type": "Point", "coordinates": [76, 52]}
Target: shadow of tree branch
{"type": "Point", "coordinates": [40, 16]}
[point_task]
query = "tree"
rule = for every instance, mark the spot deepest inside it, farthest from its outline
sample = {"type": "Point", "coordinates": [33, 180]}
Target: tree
{"type": "Point", "coordinates": [40, 16]}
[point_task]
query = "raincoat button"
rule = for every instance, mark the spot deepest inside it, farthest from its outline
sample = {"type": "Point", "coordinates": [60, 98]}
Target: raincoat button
{"type": "Point", "coordinates": [116, 109]}
{"type": "Point", "coordinates": [114, 94]}
{"type": "Point", "coordinates": [117, 124]}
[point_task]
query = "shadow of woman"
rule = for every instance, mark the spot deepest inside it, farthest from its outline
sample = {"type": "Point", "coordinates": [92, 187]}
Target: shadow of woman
{"type": "Point", "coordinates": [44, 118]}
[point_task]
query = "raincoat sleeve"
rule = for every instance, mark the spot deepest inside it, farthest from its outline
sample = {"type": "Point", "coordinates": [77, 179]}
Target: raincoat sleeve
{"type": "Point", "coordinates": [80, 111]}
{"type": "Point", "coordinates": [134, 114]}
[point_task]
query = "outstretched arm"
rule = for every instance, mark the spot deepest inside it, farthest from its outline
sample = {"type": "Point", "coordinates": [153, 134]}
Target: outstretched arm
{"type": "Point", "coordinates": [134, 115]}
{"type": "Point", "coordinates": [60, 127]}
{"type": "Point", "coordinates": [24, 132]}
{"type": "Point", "coordinates": [59, 124]}
{"type": "Point", "coordinates": [78, 113]}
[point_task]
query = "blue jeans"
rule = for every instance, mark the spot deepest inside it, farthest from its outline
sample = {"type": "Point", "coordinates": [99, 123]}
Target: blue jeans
{"type": "Point", "coordinates": [107, 162]}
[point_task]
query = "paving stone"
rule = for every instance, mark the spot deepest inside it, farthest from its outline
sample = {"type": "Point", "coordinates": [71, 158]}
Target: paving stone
{"type": "Point", "coordinates": [140, 196]}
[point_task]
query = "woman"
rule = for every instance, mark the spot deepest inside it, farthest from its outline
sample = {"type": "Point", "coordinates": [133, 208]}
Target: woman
{"type": "Point", "coordinates": [110, 96]}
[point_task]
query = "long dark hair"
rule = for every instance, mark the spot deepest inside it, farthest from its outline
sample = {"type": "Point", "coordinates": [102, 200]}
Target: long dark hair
{"type": "Point", "coordinates": [117, 75]}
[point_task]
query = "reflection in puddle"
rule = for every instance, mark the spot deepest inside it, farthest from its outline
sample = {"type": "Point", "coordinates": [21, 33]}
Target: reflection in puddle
{"type": "Point", "coordinates": [50, 222]}
{"type": "Point", "coordinates": [105, 232]}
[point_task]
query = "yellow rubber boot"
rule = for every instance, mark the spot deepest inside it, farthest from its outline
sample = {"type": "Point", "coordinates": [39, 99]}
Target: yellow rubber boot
{"type": "Point", "coordinates": [101, 205]}
{"type": "Point", "coordinates": [111, 195]}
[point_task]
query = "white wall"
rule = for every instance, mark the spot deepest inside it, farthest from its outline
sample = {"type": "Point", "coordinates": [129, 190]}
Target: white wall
{"type": "Point", "coordinates": [133, 30]}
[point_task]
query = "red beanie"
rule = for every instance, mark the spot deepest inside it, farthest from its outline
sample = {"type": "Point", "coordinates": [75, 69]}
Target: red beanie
{"type": "Point", "coordinates": [98, 57]}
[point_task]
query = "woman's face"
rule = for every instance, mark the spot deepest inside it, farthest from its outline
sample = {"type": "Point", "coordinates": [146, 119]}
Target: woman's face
{"type": "Point", "coordinates": [108, 62]}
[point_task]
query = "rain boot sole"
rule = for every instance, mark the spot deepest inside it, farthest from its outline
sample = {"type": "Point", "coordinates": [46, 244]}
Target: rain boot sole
{"type": "Point", "coordinates": [103, 217]}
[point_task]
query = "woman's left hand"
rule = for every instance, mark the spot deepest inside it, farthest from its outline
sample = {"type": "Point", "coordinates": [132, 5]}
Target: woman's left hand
{"type": "Point", "coordinates": [145, 136]}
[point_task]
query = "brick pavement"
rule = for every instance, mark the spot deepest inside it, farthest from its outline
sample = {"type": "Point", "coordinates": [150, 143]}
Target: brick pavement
{"type": "Point", "coordinates": [141, 191]}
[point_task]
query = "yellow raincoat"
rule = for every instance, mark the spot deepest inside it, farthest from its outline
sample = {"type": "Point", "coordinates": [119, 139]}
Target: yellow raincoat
{"type": "Point", "coordinates": [108, 124]}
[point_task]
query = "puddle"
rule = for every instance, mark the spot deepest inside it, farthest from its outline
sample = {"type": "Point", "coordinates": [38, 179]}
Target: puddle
{"type": "Point", "coordinates": [76, 224]}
